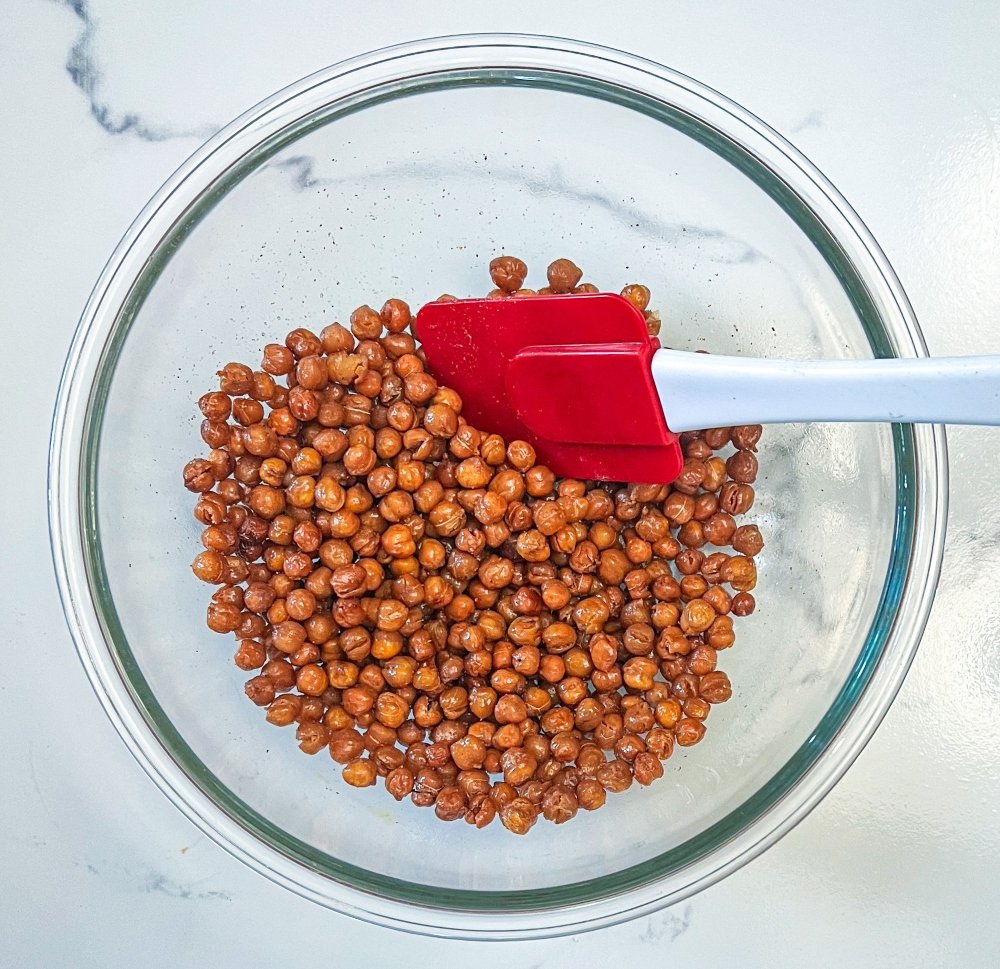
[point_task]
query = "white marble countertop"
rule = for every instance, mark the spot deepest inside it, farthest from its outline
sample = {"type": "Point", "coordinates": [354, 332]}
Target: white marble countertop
{"type": "Point", "coordinates": [897, 102]}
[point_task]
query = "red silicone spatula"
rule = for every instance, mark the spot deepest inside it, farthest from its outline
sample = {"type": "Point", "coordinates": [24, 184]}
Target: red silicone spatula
{"type": "Point", "coordinates": [579, 377]}
{"type": "Point", "coordinates": [570, 374]}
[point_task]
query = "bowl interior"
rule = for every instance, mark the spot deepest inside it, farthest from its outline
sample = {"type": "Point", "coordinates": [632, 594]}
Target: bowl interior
{"type": "Point", "coordinates": [411, 197]}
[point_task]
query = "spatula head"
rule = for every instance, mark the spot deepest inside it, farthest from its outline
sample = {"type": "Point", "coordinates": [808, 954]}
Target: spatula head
{"type": "Point", "coordinates": [570, 374]}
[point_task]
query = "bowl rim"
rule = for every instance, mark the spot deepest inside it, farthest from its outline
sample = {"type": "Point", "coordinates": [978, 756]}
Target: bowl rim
{"type": "Point", "coordinates": [285, 116]}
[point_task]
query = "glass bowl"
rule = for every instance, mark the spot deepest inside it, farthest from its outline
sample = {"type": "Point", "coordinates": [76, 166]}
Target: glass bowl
{"type": "Point", "coordinates": [402, 173]}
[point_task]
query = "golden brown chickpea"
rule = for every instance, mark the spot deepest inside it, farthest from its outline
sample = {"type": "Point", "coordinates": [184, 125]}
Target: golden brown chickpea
{"type": "Point", "coordinates": [563, 275]}
{"type": "Point", "coordinates": [571, 690]}
{"type": "Point", "coordinates": [646, 768]}
{"type": "Point", "coordinates": [311, 680]}
{"type": "Point", "coordinates": [743, 604]}
{"type": "Point", "coordinates": [277, 360]}
{"type": "Point", "coordinates": [473, 472]}
{"type": "Point", "coordinates": [366, 324]}
{"type": "Point", "coordinates": [284, 710]}
{"type": "Point", "coordinates": [637, 295]}
{"type": "Point", "coordinates": [399, 782]}
{"type": "Point", "coordinates": [639, 672]}
{"type": "Point", "coordinates": [358, 699]}
{"type": "Point", "coordinates": [450, 804]}
{"type": "Point", "coordinates": [510, 708]}
{"type": "Point", "coordinates": [518, 815]}
{"type": "Point", "coordinates": [420, 387]}
{"type": "Point", "coordinates": [532, 546]}
{"type": "Point", "coordinates": [235, 379]}
{"type": "Point", "coordinates": [590, 615]}
{"type": "Point", "coordinates": [508, 273]}
{"type": "Point", "coordinates": [520, 455]}
{"type": "Point", "coordinates": [397, 541]}
{"type": "Point", "coordinates": [493, 449]}
{"type": "Point", "coordinates": [551, 668]}
{"type": "Point", "coordinates": [746, 436]}
{"type": "Point", "coordinates": [557, 720]}
{"type": "Point", "coordinates": [747, 540]}
{"type": "Point", "coordinates": [468, 753]}
{"type": "Point", "coordinates": [440, 420]}
{"type": "Point", "coordinates": [740, 573]}
{"type": "Point", "coordinates": [715, 687]}
{"type": "Point", "coordinates": [518, 765]}
{"type": "Point", "coordinates": [360, 773]}
{"type": "Point", "coordinates": [506, 680]}
{"type": "Point", "coordinates": [559, 804]}
{"type": "Point", "coordinates": [735, 498]}
{"type": "Point", "coordinates": [448, 518]}
{"type": "Point", "coordinates": [590, 794]}
{"type": "Point", "coordinates": [391, 710]}
{"type": "Point", "coordinates": [539, 481]}
{"type": "Point", "coordinates": [260, 690]}
{"type": "Point", "coordinates": [345, 744]}
{"type": "Point", "coordinates": [395, 315]}
{"type": "Point", "coordinates": [697, 616]}
{"type": "Point", "coordinates": [689, 731]}
{"type": "Point", "coordinates": [615, 776]}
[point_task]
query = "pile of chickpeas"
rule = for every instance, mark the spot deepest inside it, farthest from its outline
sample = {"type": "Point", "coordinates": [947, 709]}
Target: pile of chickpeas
{"type": "Point", "coordinates": [433, 607]}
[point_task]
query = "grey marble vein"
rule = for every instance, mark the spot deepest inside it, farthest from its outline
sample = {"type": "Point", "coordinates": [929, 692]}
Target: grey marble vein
{"type": "Point", "coordinates": [83, 69]}
{"type": "Point", "coordinates": [732, 250]}
{"type": "Point", "coordinates": [812, 120]}
{"type": "Point", "coordinates": [302, 169]}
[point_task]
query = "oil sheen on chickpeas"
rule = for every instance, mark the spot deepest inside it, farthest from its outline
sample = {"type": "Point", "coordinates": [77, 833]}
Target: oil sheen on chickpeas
{"type": "Point", "coordinates": [434, 608]}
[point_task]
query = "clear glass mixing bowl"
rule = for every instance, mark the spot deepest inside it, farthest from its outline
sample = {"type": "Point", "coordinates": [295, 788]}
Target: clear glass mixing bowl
{"type": "Point", "coordinates": [401, 173]}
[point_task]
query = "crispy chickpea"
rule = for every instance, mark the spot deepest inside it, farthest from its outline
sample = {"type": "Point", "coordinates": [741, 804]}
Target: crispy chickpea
{"type": "Point", "coordinates": [468, 752]}
{"type": "Point", "coordinates": [360, 772]}
{"type": "Point", "coordinates": [278, 359]}
{"type": "Point", "coordinates": [615, 776]}
{"type": "Point", "coordinates": [646, 768]}
{"type": "Point", "coordinates": [539, 481]}
{"type": "Point", "coordinates": [747, 540]}
{"type": "Point", "coordinates": [743, 604]}
{"type": "Point", "coordinates": [311, 680]}
{"type": "Point", "coordinates": [518, 815]}
{"type": "Point", "coordinates": [391, 709]}
{"type": "Point", "coordinates": [563, 275]}
{"type": "Point", "coordinates": [559, 804]}
{"type": "Point", "coordinates": [284, 710]}
{"type": "Point", "coordinates": [395, 315]}
{"type": "Point", "coordinates": [697, 616]}
{"type": "Point", "coordinates": [740, 573]}
{"type": "Point", "coordinates": [397, 541]}
{"type": "Point", "coordinates": [689, 731]}
{"type": "Point", "coordinates": [532, 546]}
{"type": "Point", "coordinates": [746, 436]}
{"type": "Point", "coordinates": [742, 467]}
{"type": "Point", "coordinates": [235, 379]}
{"type": "Point", "coordinates": [440, 420]}
{"type": "Point", "coordinates": [508, 273]}
{"type": "Point", "coordinates": [590, 615]}
{"type": "Point", "coordinates": [518, 765]}
{"type": "Point", "coordinates": [637, 295]}
{"type": "Point", "coordinates": [736, 498]}
{"type": "Point", "coordinates": [590, 794]}
{"type": "Point", "coordinates": [399, 782]}
{"type": "Point", "coordinates": [715, 687]}
{"type": "Point", "coordinates": [510, 708]}
{"type": "Point", "coordinates": [473, 472]}
{"type": "Point", "coordinates": [639, 673]}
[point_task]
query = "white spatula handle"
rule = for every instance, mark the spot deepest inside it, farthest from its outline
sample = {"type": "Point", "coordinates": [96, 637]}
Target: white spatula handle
{"type": "Point", "coordinates": [708, 390]}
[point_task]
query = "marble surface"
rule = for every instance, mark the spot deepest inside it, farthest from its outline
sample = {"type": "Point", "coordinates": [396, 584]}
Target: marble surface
{"type": "Point", "coordinates": [897, 102]}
